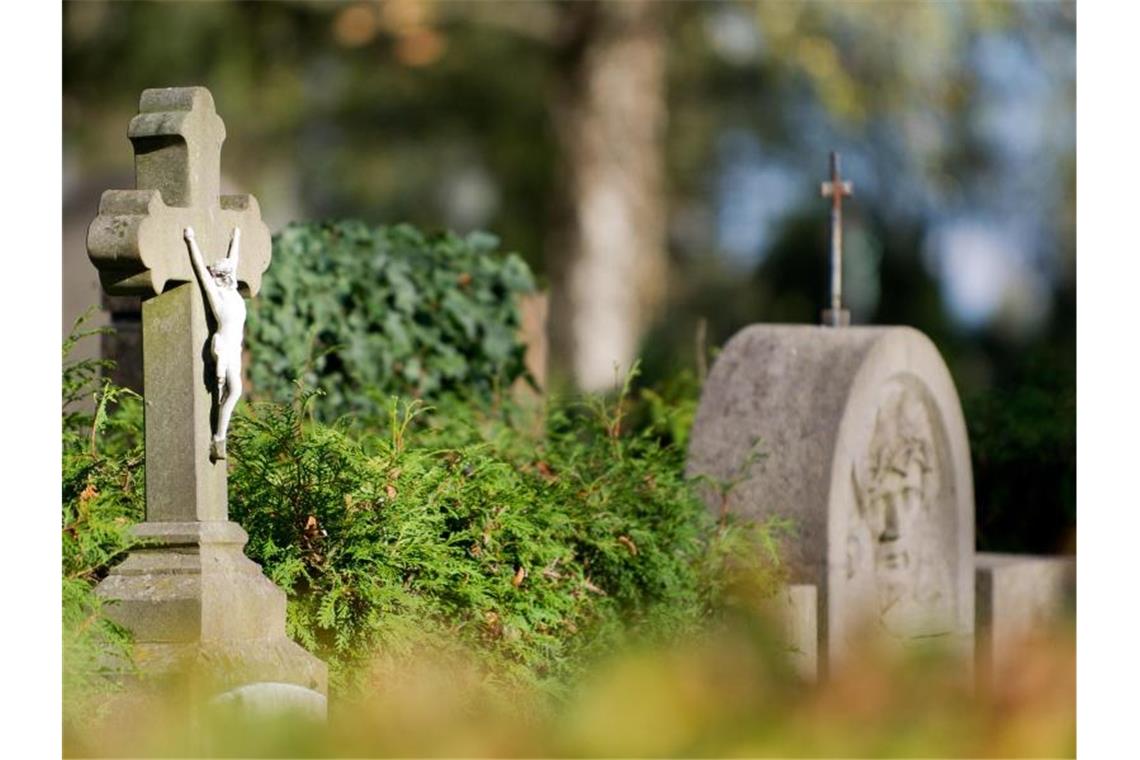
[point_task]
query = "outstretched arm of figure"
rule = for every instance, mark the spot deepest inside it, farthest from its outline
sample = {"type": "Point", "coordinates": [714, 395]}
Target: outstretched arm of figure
{"type": "Point", "coordinates": [204, 276]}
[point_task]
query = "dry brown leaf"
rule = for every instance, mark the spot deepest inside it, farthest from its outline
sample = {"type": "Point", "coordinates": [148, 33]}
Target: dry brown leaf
{"type": "Point", "coordinates": [89, 493]}
{"type": "Point", "coordinates": [546, 471]}
{"type": "Point", "coordinates": [520, 576]}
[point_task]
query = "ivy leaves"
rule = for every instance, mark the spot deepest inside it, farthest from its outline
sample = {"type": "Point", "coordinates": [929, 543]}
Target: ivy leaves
{"type": "Point", "coordinates": [363, 312]}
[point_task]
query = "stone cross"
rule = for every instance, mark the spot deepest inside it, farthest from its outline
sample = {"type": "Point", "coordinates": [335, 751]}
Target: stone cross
{"type": "Point", "coordinates": [835, 189]}
{"type": "Point", "coordinates": [193, 601]}
{"type": "Point", "coordinates": [136, 242]}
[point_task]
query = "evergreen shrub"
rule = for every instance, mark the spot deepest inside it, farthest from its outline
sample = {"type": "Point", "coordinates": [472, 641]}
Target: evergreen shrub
{"type": "Point", "coordinates": [102, 495]}
{"type": "Point", "coordinates": [465, 530]}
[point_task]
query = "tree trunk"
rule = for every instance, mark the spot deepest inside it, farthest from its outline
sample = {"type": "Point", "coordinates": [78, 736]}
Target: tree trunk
{"type": "Point", "coordinates": [607, 241]}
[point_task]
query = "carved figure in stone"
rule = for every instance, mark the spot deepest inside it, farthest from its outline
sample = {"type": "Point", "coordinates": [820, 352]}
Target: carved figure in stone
{"type": "Point", "coordinates": [220, 283]}
{"type": "Point", "coordinates": [896, 493]}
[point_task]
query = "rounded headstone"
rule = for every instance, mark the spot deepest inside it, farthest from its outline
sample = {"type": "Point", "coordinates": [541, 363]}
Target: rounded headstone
{"type": "Point", "coordinates": [857, 436]}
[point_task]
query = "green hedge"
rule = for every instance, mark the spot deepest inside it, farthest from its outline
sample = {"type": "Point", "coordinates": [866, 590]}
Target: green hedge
{"type": "Point", "coordinates": [362, 312]}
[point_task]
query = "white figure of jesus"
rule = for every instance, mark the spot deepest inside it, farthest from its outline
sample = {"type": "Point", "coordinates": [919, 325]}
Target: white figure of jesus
{"type": "Point", "coordinates": [219, 281]}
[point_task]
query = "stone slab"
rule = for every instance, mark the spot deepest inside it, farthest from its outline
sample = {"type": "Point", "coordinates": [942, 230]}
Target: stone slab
{"type": "Point", "coordinates": [795, 612]}
{"type": "Point", "coordinates": [1020, 596]}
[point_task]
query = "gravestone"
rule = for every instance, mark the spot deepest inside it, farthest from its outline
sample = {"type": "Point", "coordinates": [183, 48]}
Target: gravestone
{"type": "Point", "coordinates": [269, 700]}
{"type": "Point", "coordinates": [857, 435]}
{"type": "Point", "coordinates": [192, 599]}
{"type": "Point", "coordinates": [1019, 597]}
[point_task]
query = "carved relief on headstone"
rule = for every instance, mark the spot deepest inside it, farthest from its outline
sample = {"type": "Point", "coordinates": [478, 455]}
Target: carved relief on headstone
{"type": "Point", "coordinates": [864, 448]}
{"type": "Point", "coordinates": [903, 507]}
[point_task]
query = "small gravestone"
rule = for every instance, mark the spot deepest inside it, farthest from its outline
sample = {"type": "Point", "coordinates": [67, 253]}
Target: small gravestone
{"type": "Point", "coordinates": [273, 700]}
{"type": "Point", "coordinates": [857, 435]}
{"type": "Point", "coordinates": [192, 599]}
{"type": "Point", "coordinates": [1019, 597]}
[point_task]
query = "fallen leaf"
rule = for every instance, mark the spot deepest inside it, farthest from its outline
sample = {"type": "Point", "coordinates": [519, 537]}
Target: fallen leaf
{"type": "Point", "coordinates": [520, 576]}
{"type": "Point", "coordinates": [89, 493]}
{"type": "Point", "coordinates": [628, 543]}
{"type": "Point", "coordinates": [390, 490]}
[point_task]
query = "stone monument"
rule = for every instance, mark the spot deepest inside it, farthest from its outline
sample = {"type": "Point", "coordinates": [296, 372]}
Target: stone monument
{"type": "Point", "coordinates": [194, 602]}
{"type": "Point", "coordinates": [862, 443]}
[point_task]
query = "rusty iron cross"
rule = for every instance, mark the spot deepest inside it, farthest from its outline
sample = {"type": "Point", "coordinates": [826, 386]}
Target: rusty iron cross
{"type": "Point", "coordinates": [136, 240]}
{"type": "Point", "coordinates": [836, 188]}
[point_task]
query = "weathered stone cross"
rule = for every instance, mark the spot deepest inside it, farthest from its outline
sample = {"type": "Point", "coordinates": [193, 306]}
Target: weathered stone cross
{"type": "Point", "coordinates": [189, 595]}
{"type": "Point", "coordinates": [137, 244]}
{"type": "Point", "coordinates": [835, 189]}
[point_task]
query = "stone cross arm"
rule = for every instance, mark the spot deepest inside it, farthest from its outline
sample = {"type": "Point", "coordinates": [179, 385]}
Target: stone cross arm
{"type": "Point", "coordinates": [136, 240]}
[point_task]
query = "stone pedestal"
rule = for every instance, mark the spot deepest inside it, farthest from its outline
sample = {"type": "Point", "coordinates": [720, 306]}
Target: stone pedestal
{"type": "Point", "coordinates": [197, 605]}
{"type": "Point", "coordinates": [857, 435]}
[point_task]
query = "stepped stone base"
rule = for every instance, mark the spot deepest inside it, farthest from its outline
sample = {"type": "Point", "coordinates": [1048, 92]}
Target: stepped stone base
{"type": "Point", "coordinates": [199, 608]}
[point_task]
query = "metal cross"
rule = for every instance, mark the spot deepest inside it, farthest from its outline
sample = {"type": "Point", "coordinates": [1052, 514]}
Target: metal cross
{"type": "Point", "coordinates": [835, 189]}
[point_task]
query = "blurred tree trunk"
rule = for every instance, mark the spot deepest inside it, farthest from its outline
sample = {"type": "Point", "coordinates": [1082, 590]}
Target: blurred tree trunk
{"type": "Point", "coordinates": [607, 241]}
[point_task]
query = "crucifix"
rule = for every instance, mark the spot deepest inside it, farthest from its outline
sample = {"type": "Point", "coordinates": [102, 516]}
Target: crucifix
{"type": "Point", "coordinates": [836, 188]}
{"type": "Point", "coordinates": [139, 244]}
{"type": "Point", "coordinates": [187, 592]}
